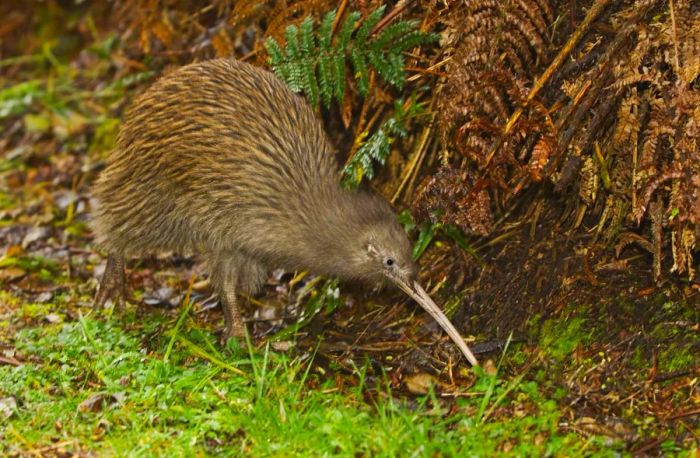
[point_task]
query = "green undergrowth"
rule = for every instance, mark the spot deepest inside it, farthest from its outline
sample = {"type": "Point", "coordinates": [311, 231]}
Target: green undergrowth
{"type": "Point", "coordinates": [559, 338]}
{"type": "Point", "coordinates": [611, 348]}
{"type": "Point", "coordinates": [110, 386]}
{"type": "Point", "coordinates": [662, 332]}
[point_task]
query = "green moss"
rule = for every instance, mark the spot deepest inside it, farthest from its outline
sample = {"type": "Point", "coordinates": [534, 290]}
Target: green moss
{"type": "Point", "coordinates": [105, 137]}
{"type": "Point", "coordinates": [559, 337]}
{"type": "Point", "coordinates": [8, 299]}
{"type": "Point", "coordinates": [638, 359]}
{"type": "Point", "coordinates": [7, 201]}
{"type": "Point", "coordinates": [518, 357]}
{"type": "Point", "coordinates": [77, 228]}
{"type": "Point", "coordinates": [677, 357]}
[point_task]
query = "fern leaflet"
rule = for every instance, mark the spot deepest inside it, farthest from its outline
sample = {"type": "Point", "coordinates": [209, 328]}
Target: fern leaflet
{"type": "Point", "coordinates": [315, 62]}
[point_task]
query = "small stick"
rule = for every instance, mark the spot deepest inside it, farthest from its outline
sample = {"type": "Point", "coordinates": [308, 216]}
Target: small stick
{"type": "Point", "coordinates": [339, 15]}
{"type": "Point", "coordinates": [677, 60]}
{"type": "Point", "coordinates": [416, 160]}
{"type": "Point", "coordinates": [400, 7]}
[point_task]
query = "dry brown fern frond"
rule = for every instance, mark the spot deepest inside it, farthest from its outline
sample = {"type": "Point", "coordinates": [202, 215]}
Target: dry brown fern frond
{"type": "Point", "coordinates": [542, 151]}
{"type": "Point", "coordinates": [493, 47]}
{"type": "Point", "coordinates": [455, 197]}
{"type": "Point", "coordinates": [260, 19]}
{"type": "Point", "coordinates": [653, 142]}
{"type": "Point", "coordinates": [631, 88]}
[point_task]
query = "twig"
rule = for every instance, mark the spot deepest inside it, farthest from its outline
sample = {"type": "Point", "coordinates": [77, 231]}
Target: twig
{"type": "Point", "coordinates": [649, 446]}
{"type": "Point", "coordinates": [358, 338]}
{"type": "Point", "coordinates": [431, 69]}
{"type": "Point", "coordinates": [339, 15]}
{"type": "Point", "coordinates": [400, 7]}
{"type": "Point", "coordinates": [676, 374]}
{"type": "Point", "coordinates": [688, 413]}
{"type": "Point", "coordinates": [417, 157]}
{"type": "Point", "coordinates": [677, 60]}
{"type": "Point", "coordinates": [425, 71]}
{"type": "Point", "coordinates": [11, 361]}
{"type": "Point", "coordinates": [55, 446]}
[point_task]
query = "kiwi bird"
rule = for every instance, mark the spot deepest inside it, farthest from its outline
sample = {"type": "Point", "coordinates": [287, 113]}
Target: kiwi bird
{"type": "Point", "coordinates": [221, 160]}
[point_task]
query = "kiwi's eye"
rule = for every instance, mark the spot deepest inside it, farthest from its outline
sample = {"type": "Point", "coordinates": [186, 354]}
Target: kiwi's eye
{"type": "Point", "coordinates": [389, 262]}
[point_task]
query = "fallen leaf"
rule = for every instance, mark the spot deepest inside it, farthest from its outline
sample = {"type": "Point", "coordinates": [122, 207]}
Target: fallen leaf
{"type": "Point", "coordinates": [610, 426]}
{"type": "Point", "coordinates": [44, 297]}
{"type": "Point", "coordinates": [8, 406]}
{"type": "Point", "coordinates": [489, 367]}
{"type": "Point", "coordinates": [39, 123]}
{"type": "Point", "coordinates": [201, 285]}
{"type": "Point", "coordinates": [11, 273]}
{"type": "Point", "coordinates": [163, 297]}
{"type": "Point", "coordinates": [284, 345]}
{"type": "Point", "coordinates": [14, 251]}
{"type": "Point", "coordinates": [99, 401]}
{"type": "Point", "coordinates": [53, 318]}
{"type": "Point", "coordinates": [420, 383]}
{"type": "Point", "coordinates": [34, 234]}
{"type": "Point", "coordinates": [68, 124]}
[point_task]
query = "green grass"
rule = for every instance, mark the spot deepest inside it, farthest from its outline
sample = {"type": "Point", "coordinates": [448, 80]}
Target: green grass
{"type": "Point", "coordinates": [236, 401]}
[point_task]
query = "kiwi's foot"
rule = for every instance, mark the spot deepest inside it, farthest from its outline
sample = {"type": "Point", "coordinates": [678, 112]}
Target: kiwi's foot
{"type": "Point", "coordinates": [233, 327]}
{"type": "Point", "coordinates": [113, 283]}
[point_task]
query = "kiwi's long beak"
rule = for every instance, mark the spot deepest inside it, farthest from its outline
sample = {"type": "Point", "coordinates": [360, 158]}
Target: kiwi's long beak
{"type": "Point", "coordinates": [420, 296]}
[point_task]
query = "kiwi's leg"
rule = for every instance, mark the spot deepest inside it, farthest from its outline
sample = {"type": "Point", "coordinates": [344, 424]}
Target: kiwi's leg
{"type": "Point", "coordinates": [224, 277]}
{"type": "Point", "coordinates": [233, 320]}
{"type": "Point", "coordinates": [113, 284]}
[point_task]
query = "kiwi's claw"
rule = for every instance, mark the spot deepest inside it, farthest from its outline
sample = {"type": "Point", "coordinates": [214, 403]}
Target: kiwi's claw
{"type": "Point", "coordinates": [113, 283]}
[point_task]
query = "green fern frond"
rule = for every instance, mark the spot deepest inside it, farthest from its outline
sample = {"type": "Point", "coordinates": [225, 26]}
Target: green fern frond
{"type": "Point", "coordinates": [307, 53]}
{"type": "Point", "coordinates": [368, 24]}
{"type": "Point", "coordinates": [338, 61]}
{"type": "Point", "coordinates": [292, 72]}
{"type": "Point", "coordinates": [325, 79]}
{"type": "Point", "coordinates": [375, 150]}
{"type": "Point", "coordinates": [325, 32]}
{"type": "Point", "coordinates": [315, 63]}
{"type": "Point", "coordinates": [393, 33]}
{"type": "Point", "coordinates": [346, 29]}
{"type": "Point", "coordinates": [359, 64]}
{"type": "Point", "coordinates": [325, 62]}
{"type": "Point", "coordinates": [412, 39]}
